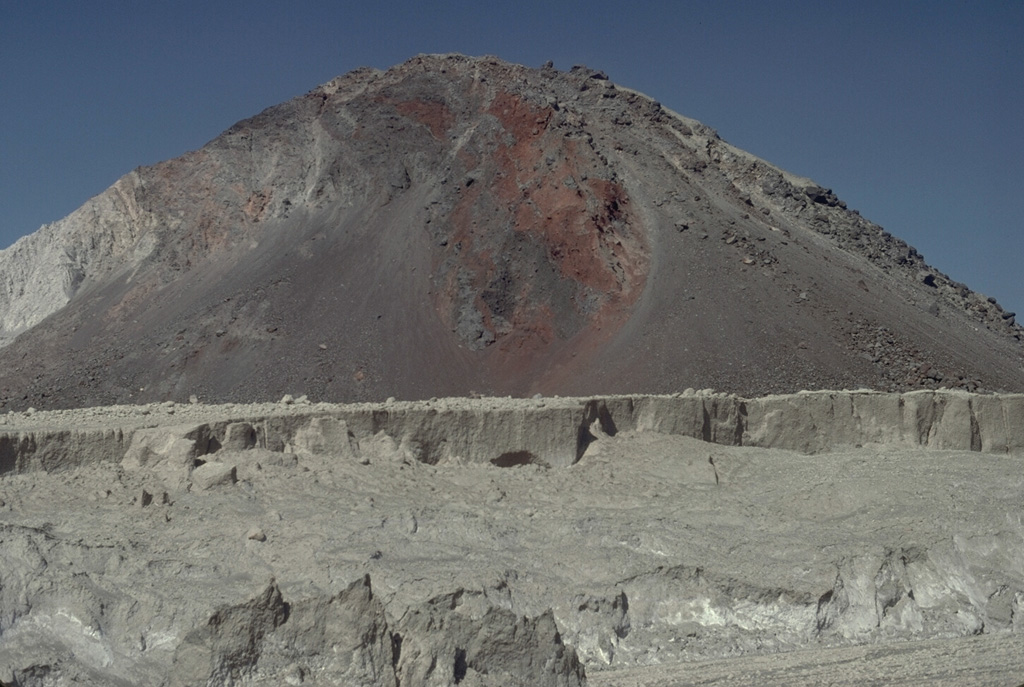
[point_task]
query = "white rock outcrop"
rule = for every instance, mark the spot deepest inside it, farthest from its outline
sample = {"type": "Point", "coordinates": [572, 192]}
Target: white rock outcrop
{"type": "Point", "coordinates": [40, 272]}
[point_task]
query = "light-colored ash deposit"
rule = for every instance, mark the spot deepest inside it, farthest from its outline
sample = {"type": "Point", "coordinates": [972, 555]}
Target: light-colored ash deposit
{"type": "Point", "coordinates": [700, 538]}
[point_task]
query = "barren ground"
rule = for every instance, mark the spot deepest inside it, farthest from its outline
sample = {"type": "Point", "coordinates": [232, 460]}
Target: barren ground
{"type": "Point", "coordinates": [664, 559]}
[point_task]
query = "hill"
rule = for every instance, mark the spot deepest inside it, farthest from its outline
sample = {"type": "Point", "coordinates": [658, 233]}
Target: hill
{"type": "Point", "coordinates": [457, 226]}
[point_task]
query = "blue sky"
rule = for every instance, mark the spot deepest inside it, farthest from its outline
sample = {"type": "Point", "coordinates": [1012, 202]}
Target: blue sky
{"type": "Point", "coordinates": [911, 111]}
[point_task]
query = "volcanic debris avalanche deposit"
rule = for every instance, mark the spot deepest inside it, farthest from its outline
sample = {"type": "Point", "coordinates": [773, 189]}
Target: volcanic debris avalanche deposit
{"type": "Point", "coordinates": [629, 539]}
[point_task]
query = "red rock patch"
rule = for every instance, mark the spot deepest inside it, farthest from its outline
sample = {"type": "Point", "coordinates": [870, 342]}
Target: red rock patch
{"type": "Point", "coordinates": [434, 115]}
{"type": "Point", "coordinates": [540, 189]}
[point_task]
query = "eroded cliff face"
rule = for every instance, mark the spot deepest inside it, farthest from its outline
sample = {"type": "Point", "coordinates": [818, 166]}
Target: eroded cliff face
{"type": "Point", "coordinates": [456, 225]}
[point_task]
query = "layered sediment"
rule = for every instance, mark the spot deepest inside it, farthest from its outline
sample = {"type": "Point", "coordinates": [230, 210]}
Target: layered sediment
{"type": "Point", "coordinates": [551, 432]}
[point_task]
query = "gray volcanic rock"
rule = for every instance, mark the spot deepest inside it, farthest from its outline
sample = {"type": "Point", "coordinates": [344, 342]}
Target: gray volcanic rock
{"type": "Point", "coordinates": [832, 537]}
{"type": "Point", "coordinates": [460, 225]}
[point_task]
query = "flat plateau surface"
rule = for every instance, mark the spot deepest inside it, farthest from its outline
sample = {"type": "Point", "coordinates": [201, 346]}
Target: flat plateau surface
{"type": "Point", "coordinates": [659, 559]}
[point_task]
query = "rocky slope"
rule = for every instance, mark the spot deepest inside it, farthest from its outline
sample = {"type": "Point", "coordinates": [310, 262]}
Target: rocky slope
{"type": "Point", "coordinates": [461, 225]}
{"type": "Point", "coordinates": [821, 538]}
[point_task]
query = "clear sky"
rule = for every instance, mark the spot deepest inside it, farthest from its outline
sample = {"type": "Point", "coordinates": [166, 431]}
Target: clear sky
{"type": "Point", "coordinates": [911, 111]}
